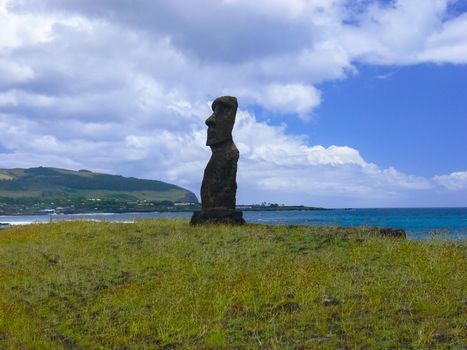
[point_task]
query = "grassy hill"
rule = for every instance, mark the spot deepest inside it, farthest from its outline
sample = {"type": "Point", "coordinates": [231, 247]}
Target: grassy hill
{"type": "Point", "coordinates": [65, 187]}
{"type": "Point", "coordinates": [162, 284]}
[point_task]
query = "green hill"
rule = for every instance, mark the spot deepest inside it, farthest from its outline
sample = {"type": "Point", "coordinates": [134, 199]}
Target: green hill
{"type": "Point", "coordinates": [40, 188]}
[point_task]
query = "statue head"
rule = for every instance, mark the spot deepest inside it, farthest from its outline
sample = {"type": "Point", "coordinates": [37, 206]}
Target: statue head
{"type": "Point", "coordinates": [221, 122]}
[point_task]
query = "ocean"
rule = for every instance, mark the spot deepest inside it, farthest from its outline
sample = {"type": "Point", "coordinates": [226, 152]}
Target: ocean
{"type": "Point", "coordinates": [419, 223]}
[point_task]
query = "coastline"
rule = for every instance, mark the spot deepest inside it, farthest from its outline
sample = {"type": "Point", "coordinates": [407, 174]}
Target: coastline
{"type": "Point", "coordinates": [418, 223]}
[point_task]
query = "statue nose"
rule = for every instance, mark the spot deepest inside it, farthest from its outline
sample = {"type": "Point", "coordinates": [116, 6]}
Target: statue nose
{"type": "Point", "coordinates": [211, 121]}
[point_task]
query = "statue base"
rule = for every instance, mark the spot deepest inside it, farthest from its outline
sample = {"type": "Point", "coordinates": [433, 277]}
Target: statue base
{"type": "Point", "coordinates": [217, 216]}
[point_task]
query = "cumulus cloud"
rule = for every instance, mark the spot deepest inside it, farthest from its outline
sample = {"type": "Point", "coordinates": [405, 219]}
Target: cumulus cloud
{"type": "Point", "coordinates": [289, 165]}
{"type": "Point", "coordinates": [297, 98]}
{"type": "Point", "coordinates": [124, 87]}
{"type": "Point", "coordinates": [455, 181]}
{"type": "Point", "coordinates": [274, 166]}
{"type": "Point", "coordinates": [448, 44]}
{"type": "Point", "coordinates": [396, 32]}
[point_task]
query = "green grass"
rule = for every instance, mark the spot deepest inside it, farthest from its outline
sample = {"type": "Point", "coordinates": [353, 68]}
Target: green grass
{"type": "Point", "coordinates": [161, 284]}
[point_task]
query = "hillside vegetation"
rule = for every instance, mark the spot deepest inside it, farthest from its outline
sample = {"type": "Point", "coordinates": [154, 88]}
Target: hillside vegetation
{"type": "Point", "coordinates": [161, 284]}
{"type": "Point", "coordinates": [26, 189]}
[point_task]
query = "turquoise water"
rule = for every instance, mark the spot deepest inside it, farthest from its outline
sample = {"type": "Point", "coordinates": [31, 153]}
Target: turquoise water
{"type": "Point", "coordinates": [419, 223]}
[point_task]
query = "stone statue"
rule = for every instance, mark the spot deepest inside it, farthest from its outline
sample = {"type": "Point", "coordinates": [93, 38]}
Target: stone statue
{"type": "Point", "coordinates": [219, 185]}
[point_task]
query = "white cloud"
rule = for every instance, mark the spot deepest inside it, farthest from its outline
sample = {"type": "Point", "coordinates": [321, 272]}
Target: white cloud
{"type": "Point", "coordinates": [286, 166]}
{"type": "Point", "coordinates": [449, 44]}
{"type": "Point", "coordinates": [273, 165]}
{"type": "Point", "coordinates": [18, 30]}
{"type": "Point", "coordinates": [297, 98]}
{"type": "Point", "coordinates": [396, 33]}
{"type": "Point", "coordinates": [455, 181]}
{"type": "Point", "coordinates": [291, 10]}
{"type": "Point", "coordinates": [12, 73]}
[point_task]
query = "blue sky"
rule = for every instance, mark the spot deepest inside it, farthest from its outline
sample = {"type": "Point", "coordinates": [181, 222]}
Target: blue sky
{"type": "Point", "coordinates": [415, 117]}
{"type": "Point", "coordinates": [342, 103]}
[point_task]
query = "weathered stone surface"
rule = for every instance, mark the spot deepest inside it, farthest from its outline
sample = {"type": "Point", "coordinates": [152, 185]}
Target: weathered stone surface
{"type": "Point", "coordinates": [219, 187]}
{"type": "Point", "coordinates": [217, 216]}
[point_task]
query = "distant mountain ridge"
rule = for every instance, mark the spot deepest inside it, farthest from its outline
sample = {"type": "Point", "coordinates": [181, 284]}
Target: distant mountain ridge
{"type": "Point", "coordinates": [44, 182]}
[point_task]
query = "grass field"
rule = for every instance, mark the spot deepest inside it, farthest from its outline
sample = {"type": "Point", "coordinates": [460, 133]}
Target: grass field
{"type": "Point", "coordinates": [161, 284]}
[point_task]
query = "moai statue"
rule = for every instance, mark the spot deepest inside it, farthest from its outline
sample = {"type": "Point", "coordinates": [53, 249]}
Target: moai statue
{"type": "Point", "coordinates": [219, 185]}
